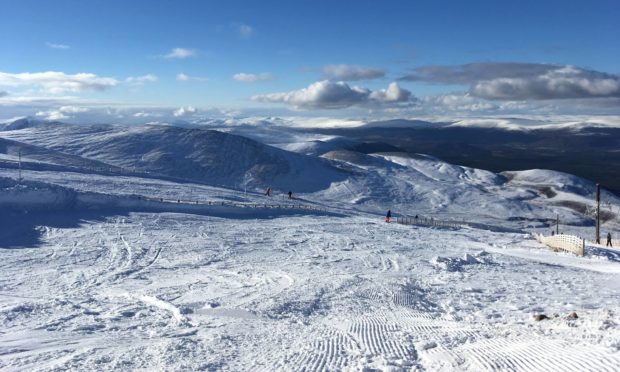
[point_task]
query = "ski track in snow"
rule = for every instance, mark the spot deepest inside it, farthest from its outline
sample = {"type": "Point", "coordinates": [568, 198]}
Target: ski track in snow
{"type": "Point", "coordinates": [294, 294]}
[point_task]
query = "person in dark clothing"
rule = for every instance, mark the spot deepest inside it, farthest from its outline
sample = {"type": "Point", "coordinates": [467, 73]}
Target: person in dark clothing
{"type": "Point", "coordinates": [268, 192]}
{"type": "Point", "coordinates": [388, 216]}
{"type": "Point", "coordinates": [290, 195]}
{"type": "Point", "coordinates": [609, 240]}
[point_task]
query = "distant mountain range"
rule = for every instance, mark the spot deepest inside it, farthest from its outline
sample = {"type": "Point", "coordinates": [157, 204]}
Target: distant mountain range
{"type": "Point", "coordinates": [591, 152]}
{"type": "Point", "coordinates": [371, 167]}
{"type": "Point", "coordinates": [588, 149]}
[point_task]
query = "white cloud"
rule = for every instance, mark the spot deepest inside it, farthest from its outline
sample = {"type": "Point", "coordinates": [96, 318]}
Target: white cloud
{"type": "Point", "coordinates": [58, 82]}
{"type": "Point", "coordinates": [335, 95]}
{"type": "Point", "coordinates": [245, 31]}
{"type": "Point", "coordinates": [72, 109]}
{"type": "Point", "coordinates": [182, 111]}
{"type": "Point", "coordinates": [57, 46]}
{"type": "Point", "coordinates": [144, 114]}
{"type": "Point", "coordinates": [185, 77]}
{"type": "Point", "coordinates": [180, 53]}
{"type": "Point", "coordinates": [350, 72]}
{"type": "Point", "coordinates": [37, 100]}
{"type": "Point", "coordinates": [393, 93]}
{"type": "Point", "coordinates": [459, 102]}
{"type": "Point", "coordinates": [141, 80]}
{"type": "Point", "coordinates": [52, 115]}
{"type": "Point", "coordinates": [252, 78]}
{"type": "Point", "coordinates": [61, 113]}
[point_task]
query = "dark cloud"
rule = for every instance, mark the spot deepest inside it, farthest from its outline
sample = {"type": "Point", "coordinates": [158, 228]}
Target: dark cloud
{"type": "Point", "coordinates": [336, 95]}
{"type": "Point", "coordinates": [351, 73]}
{"type": "Point", "coordinates": [522, 81]}
{"type": "Point", "coordinates": [473, 72]}
{"type": "Point", "coordinates": [562, 83]}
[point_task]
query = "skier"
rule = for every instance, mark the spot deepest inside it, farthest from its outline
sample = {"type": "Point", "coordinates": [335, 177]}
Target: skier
{"type": "Point", "coordinates": [290, 195]}
{"type": "Point", "coordinates": [388, 216]}
{"type": "Point", "coordinates": [609, 240]}
{"type": "Point", "coordinates": [268, 192]}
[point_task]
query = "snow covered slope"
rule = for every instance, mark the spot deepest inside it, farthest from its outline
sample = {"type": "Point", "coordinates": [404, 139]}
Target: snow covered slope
{"type": "Point", "coordinates": [206, 156]}
{"type": "Point", "coordinates": [11, 150]}
{"type": "Point", "coordinates": [566, 191]}
{"type": "Point", "coordinates": [558, 181]}
{"type": "Point", "coordinates": [423, 185]}
{"type": "Point", "coordinates": [98, 273]}
{"type": "Point", "coordinates": [114, 289]}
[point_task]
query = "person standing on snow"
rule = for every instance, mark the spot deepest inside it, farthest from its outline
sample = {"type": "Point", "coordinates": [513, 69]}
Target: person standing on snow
{"type": "Point", "coordinates": [290, 195]}
{"type": "Point", "coordinates": [388, 216]}
{"type": "Point", "coordinates": [268, 192]}
{"type": "Point", "coordinates": [609, 240]}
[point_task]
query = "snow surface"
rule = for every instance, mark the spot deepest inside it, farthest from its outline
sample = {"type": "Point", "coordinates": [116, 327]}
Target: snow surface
{"type": "Point", "coordinates": [98, 274]}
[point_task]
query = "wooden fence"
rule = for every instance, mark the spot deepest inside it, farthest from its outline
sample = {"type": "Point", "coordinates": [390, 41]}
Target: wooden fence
{"type": "Point", "coordinates": [563, 242]}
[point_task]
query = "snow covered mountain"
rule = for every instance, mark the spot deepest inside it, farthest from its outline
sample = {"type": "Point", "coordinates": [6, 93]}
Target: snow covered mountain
{"type": "Point", "coordinates": [201, 155]}
{"type": "Point", "coordinates": [27, 122]}
{"type": "Point", "coordinates": [410, 183]}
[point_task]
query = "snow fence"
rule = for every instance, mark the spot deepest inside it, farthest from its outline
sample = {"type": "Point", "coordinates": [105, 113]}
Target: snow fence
{"type": "Point", "coordinates": [563, 242]}
{"type": "Point", "coordinates": [290, 205]}
{"type": "Point", "coordinates": [33, 195]}
{"type": "Point", "coordinates": [424, 221]}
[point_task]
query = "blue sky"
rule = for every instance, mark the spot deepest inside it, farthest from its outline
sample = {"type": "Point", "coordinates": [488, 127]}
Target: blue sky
{"type": "Point", "coordinates": [402, 57]}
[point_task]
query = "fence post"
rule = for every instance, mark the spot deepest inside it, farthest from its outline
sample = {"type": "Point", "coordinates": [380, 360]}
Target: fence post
{"type": "Point", "coordinates": [583, 247]}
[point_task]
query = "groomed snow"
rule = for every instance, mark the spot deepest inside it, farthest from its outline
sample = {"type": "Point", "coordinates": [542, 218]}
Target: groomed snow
{"type": "Point", "coordinates": [180, 291]}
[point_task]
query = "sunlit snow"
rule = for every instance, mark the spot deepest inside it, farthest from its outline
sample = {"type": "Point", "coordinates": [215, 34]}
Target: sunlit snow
{"type": "Point", "coordinates": [156, 248]}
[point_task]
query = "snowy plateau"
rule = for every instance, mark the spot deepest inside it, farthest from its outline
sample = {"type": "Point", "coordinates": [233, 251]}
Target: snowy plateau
{"type": "Point", "coordinates": [155, 247]}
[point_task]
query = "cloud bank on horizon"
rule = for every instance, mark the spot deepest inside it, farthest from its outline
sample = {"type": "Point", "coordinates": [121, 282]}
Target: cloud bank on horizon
{"type": "Point", "coordinates": [491, 88]}
{"type": "Point", "coordinates": [390, 60]}
{"type": "Point", "coordinates": [55, 82]}
{"type": "Point", "coordinates": [522, 81]}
